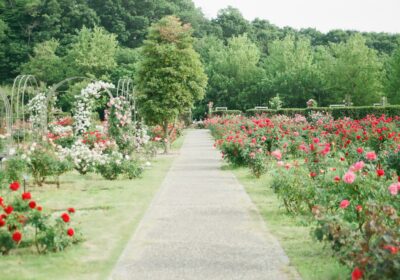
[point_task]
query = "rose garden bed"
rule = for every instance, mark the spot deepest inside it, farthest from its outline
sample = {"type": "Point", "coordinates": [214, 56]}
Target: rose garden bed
{"type": "Point", "coordinates": [340, 176]}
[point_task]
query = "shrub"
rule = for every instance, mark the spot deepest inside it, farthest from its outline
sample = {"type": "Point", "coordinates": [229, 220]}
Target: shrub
{"type": "Point", "coordinates": [24, 224]}
{"type": "Point", "coordinates": [132, 168]}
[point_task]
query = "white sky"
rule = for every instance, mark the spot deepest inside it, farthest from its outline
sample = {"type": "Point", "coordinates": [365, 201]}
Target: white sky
{"type": "Point", "coordinates": [324, 15]}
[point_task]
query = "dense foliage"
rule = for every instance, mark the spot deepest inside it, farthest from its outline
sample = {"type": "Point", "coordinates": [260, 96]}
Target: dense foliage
{"type": "Point", "coordinates": [55, 39]}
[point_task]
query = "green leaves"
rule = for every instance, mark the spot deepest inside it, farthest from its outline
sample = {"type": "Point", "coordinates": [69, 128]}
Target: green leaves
{"type": "Point", "coordinates": [170, 76]}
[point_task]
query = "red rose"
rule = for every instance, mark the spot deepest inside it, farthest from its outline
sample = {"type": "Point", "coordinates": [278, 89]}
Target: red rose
{"type": "Point", "coordinates": [39, 208]}
{"type": "Point", "coordinates": [359, 208]}
{"type": "Point", "coordinates": [380, 172]}
{"type": "Point", "coordinates": [14, 186]}
{"type": "Point", "coordinates": [313, 174]}
{"type": "Point", "coordinates": [1, 201]}
{"type": "Point", "coordinates": [26, 196]}
{"type": "Point", "coordinates": [32, 204]}
{"type": "Point", "coordinates": [336, 179]}
{"type": "Point", "coordinates": [65, 217]}
{"type": "Point", "coordinates": [8, 209]}
{"type": "Point", "coordinates": [360, 150]}
{"type": "Point", "coordinates": [356, 274]}
{"type": "Point", "coordinates": [71, 210]}
{"type": "Point", "coordinates": [70, 232]}
{"type": "Point", "coordinates": [393, 250]}
{"type": "Point", "coordinates": [17, 236]}
{"type": "Point", "coordinates": [2, 222]}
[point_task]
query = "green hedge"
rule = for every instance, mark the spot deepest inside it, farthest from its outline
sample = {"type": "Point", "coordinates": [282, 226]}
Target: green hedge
{"type": "Point", "coordinates": [352, 112]}
{"type": "Point", "coordinates": [226, 112]}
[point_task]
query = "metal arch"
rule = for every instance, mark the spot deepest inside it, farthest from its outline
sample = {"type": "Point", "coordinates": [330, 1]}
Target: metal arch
{"type": "Point", "coordinates": [8, 116]}
{"type": "Point", "coordinates": [20, 85]}
{"type": "Point", "coordinates": [125, 88]}
{"type": "Point", "coordinates": [54, 88]}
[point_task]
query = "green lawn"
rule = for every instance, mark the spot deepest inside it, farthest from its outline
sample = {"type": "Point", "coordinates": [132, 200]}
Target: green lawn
{"type": "Point", "coordinates": [108, 213]}
{"type": "Point", "coordinates": [312, 260]}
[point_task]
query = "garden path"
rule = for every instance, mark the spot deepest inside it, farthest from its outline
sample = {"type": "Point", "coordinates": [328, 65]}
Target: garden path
{"type": "Point", "coordinates": [202, 225]}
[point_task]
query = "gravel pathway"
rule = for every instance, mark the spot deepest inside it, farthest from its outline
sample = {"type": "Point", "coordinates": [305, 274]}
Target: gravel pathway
{"type": "Point", "coordinates": [202, 225]}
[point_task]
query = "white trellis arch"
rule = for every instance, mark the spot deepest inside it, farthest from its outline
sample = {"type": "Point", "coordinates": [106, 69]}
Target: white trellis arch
{"type": "Point", "coordinates": [125, 88]}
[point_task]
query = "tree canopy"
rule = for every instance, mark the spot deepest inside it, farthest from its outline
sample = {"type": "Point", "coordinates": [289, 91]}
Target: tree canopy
{"type": "Point", "coordinates": [247, 62]}
{"type": "Point", "coordinates": [170, 76]}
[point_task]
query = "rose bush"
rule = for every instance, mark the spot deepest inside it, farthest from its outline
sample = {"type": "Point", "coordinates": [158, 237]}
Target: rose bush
{"type": "Point", "coordinates": [341, 175]}
{"type": "Point", "coordinates": [24, 224]}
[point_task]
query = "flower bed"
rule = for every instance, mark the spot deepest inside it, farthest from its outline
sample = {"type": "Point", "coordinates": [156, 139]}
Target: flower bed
{"type": "Point", "coordinates": [342, 173]}
{"type": "Point", "coordinates": [24, 224]}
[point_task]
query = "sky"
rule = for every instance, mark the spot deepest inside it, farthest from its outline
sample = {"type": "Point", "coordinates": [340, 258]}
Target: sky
{"type": "Point", "coordinates": [324, 15]}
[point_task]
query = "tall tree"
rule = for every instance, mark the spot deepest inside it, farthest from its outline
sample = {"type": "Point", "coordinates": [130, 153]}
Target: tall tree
{"type": "Point", "coordinates": [393, 74]}
{"type": "Point", "coordinates": [351, 68]}
{"type": "Point", "coordinates": [291, 71]}
{"type": "Point", "coordinates": [45, 64]}
{"type": "Point", "coordinates": [170, 76]}
{"type": "Point", "coordinates": [233, 72]}
{"type": "Point", "coordinates": [93, 53]}
{"type": "Point", "coordinates": [231, 22]}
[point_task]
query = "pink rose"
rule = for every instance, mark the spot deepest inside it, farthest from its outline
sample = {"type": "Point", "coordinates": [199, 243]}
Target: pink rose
{"type": "Point", "coordinates": [394, 188]}
{"type": "Point", "coordinates": [371, 156]}
{"type": "Point", "coordinates": [357, 166]}
{"type": "Point", "coordinates": [277, 154]}
{"type": "Point", "coordinates": [344, 204]}
{"type": "Point", "coordinates": [349, 177]}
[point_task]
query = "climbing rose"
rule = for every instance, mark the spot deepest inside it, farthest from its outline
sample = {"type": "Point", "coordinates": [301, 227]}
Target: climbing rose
{"type": "Point", "coordinates": [14, 186]}
{"type": "Point", "coordinates": [356, 274]}
{"type": "Point", "coordinates": [336, 179]}
{"type": "Point", "coordinates": [70, 232]}
{"type": "Point", "coordinates": [17, 236]}
{"type": "Point", "coordinates": [32, 204]}
{"type": "Point", "coordinates": [359, 208]}
{"type": "Point", "coordinates": [26, 196]}
{"type": "Point", "coordinates": [360, 150]}
{"type": "Point", "coordinates": [380, 172]}
{"type": "Point", "coordinates": [371, 156]}
{"type": "Point", "coordinates": [65, 217]}
{"type": "Point", "coordinates": [71, 210]}
{"type": "Point", "coordinates": [313, 174]}
{"type": "Point", "coordinates": [344, 204]}
{"type": "Point", "coordinates": [39, 208]}
{"type": "Point", "coordinates": [349, 177]}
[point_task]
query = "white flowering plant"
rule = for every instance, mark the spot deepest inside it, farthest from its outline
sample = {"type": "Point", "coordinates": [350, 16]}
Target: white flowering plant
{"type": "Point", "coordinates": [84, 105]}
{"type": "Point", "coordinates": [37, 109]}
{"type": "Point", "coordinates": [84, 158]}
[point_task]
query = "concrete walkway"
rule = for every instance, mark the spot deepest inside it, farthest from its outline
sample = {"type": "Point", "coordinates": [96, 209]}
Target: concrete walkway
{"type": "Point", "coordinates": [202, 225]}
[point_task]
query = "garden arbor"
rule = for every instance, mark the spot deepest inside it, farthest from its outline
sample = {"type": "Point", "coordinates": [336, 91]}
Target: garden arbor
{"type": "Point", "coordinates": [125, 88]}
{"type": "Point", "coordinates": [27, 109]}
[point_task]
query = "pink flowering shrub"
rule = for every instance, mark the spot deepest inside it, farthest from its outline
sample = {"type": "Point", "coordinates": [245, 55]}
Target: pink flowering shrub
{"type": "Point", "coordinates": [341, 175]}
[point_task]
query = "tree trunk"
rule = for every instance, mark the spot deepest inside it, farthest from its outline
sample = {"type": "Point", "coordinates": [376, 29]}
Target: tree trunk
{"type": "Point", "coordinates": [166, 138]}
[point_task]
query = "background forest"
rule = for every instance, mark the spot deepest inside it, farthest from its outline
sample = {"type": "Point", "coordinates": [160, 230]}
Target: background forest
{"type": "Point", "coordinates": [247, 63]}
